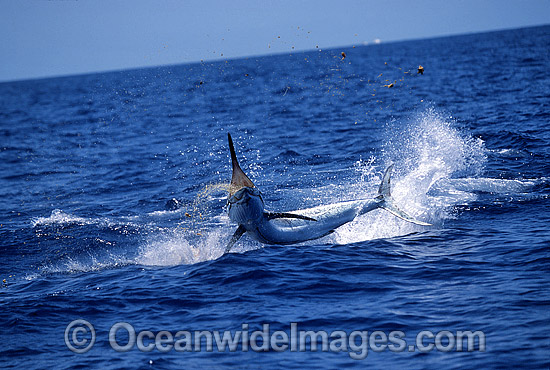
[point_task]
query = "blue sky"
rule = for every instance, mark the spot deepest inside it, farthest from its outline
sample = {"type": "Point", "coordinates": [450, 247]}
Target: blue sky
{"type": "Point", "coordinates": [43, 38]}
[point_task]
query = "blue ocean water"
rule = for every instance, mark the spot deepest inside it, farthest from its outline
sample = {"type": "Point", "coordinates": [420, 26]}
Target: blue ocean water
{"type": "Point", "coordinates": [114, 189]}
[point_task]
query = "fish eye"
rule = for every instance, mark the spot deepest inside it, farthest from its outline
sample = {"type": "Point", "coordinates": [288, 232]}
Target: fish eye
{"type": "Point", "coordinates": [234, 198]}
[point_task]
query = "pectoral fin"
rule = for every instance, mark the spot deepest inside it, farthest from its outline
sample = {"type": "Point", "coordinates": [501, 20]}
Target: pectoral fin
{"type": "Point", "coordinates": [238, 233]}
{"type": "Point", "coordinates": [272, 215]}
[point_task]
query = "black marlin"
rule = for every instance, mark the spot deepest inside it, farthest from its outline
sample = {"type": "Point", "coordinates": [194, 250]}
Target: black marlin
{"type": "Point", "coordinates": [246, 208]}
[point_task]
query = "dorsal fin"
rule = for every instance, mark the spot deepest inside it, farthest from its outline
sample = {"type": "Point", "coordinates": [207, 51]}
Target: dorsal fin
{"type": "Point", "coordinates": [238, 179]}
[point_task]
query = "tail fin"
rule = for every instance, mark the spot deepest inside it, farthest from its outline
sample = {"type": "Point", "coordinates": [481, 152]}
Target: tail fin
{"type": "Point", "coordinates": [387, 202]}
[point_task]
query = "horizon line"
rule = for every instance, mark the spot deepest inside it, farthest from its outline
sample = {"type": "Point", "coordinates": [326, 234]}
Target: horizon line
{"type": "Point", "coordinates": [297, 51]}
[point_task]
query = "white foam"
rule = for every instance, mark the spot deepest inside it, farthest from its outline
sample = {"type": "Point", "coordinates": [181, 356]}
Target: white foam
{"type": "Point", "coordinates": [486, 185]}
{"type": "Point", "coordinates": [87, 263]}
{"type": "Point", "coordinates": [58, 217]}
{"type": "Point", "coordinates": [164, 213]}
{"type": "Point", "coordinates": [61, 218]}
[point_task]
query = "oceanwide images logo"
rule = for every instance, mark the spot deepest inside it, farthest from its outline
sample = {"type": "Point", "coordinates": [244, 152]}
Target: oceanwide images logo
{"type": "Point", "coordinates": [80, 337]}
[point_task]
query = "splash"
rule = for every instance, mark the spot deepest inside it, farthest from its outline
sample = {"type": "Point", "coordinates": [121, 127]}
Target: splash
{"type": "Point", "coordinates": [429, 146]}
{"type": "Point", "coordinates": [200, 236]}
{"type": "Point", "coordinates": [427, 151]}
{"type": "Point", "coordinates": [177, 247]}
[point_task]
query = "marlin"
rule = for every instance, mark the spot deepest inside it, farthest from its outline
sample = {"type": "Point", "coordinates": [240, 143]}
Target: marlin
{"type": "Point", "coordinates": [247, 209]}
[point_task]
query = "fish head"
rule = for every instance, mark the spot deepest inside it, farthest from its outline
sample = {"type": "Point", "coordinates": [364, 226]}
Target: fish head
{"type": "Point", "coordinates": [246, 207]}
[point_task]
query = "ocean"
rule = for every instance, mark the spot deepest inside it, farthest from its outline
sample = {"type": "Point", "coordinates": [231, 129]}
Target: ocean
{"type": "Point", "coordinates": [114, 220]}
